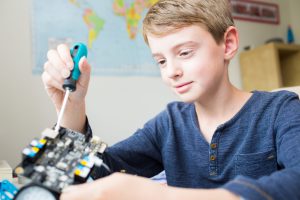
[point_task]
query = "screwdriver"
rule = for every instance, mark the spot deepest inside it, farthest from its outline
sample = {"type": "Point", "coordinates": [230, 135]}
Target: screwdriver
{"type": "Point", "coordinates": [77, 52]}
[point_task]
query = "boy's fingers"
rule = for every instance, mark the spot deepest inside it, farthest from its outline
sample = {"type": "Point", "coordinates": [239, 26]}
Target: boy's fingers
{"type": "Point", "coordinates": [49, 82]}
{"type": "Point", "coordinates": [70, 189]}
{"type": "Point", "coordinates": [53, 72]}
{"type": "Point", "coordinates": [81, 191]}
{"type": "Point", "coordinates": [64, 53]}
{"type": "Point", "coordinates": [55, 60]}
{"type": "Point", "coordinates": [71, 192]}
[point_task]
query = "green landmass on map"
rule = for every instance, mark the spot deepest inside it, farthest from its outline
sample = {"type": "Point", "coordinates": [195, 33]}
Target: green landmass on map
{"type": "Point", "coordinates": [132, 13]}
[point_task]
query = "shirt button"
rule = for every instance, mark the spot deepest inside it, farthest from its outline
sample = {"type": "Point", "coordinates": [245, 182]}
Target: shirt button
{"type": "Point", "coordinates": [213, 145]}
{"type": "Point", "coordinates": [213, 173]}
{"type": "Point", "coordinates": [212, 157]}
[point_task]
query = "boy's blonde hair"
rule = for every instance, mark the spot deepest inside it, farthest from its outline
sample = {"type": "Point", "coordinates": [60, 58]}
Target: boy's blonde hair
{"type": "Point", "coordinates": [167, 16]}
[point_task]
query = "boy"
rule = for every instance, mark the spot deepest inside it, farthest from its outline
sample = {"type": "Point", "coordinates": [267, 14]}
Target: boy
{"type": "Point", "coordinates": [244, 144]}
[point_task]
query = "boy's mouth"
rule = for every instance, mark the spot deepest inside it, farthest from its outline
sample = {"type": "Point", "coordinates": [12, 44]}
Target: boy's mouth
{"type": "Point", "coordinates": [183, 87]}
{"type": "Point", "coordinates": [183, 84]}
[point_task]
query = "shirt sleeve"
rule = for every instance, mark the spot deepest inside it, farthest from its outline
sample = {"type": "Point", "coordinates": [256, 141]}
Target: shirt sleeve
{"type": "Point", "coordinates": [284, 183]}
{"type": "Point", "coordinates": [88, 129]}
{"type": "Point", "coordinates": [138, 155]}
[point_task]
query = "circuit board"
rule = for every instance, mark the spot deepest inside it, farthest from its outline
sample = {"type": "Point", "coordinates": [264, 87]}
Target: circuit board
{"type": "Point", "coordinates": [60, 159]}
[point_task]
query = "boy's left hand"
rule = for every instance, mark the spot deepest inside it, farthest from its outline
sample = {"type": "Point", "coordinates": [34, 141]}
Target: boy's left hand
{"type": "Point", "coordinates": [120, 186]}
{"type": "Point", "coordinates": [115, 187]}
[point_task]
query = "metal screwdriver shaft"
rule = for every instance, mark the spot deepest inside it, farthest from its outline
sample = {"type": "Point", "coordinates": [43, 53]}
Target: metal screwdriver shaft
{"type": "Point", "coordinates": [77, 52]}
{"type": "Point", "coordinates": [62, 110]}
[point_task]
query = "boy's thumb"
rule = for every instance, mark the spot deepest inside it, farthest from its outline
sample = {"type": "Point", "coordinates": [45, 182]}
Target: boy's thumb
{"type": "Point", "coordinates": [85, 70]}
{"type": "Point", "coordinates": [84, 66]}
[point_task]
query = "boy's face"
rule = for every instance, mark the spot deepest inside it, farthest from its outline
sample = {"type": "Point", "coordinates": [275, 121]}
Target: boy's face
{"type": "Point", "coordinates": [192, 64]}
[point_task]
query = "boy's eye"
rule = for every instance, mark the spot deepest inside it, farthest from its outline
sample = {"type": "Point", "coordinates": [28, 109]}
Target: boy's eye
{"type": "Point", "coordinates": [185, 53]}
{"type": "Point", "coordinates": [161, 62]}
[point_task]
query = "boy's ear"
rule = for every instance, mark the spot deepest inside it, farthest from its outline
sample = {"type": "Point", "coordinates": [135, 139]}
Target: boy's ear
{"type": "Point", "coordinates": [231, 42]}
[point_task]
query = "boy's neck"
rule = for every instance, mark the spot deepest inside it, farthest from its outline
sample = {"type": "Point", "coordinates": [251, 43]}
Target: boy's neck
{"type": "Point", "coordinates": [219, 108]}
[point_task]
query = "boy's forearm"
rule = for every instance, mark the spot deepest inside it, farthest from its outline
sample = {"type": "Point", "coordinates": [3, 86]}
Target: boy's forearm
{"type": "Point", "coordinates": [74, 117]}
{"type": "Point", "coordinates": [268, 187]}
{"type": "Point", "coordinates": [198, 194]}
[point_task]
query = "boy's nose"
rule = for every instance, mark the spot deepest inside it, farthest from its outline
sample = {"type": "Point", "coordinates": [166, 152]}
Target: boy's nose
{"type": "Point", "coordinates": [174, 71]}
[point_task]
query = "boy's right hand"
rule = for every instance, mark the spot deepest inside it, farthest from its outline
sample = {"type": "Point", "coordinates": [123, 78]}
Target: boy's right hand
{"type": "Point", "coordinates": [56, 69]}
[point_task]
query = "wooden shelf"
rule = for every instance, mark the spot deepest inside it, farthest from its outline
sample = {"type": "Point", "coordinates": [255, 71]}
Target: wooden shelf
{"type": "Point", "coordinates": [270, 66]}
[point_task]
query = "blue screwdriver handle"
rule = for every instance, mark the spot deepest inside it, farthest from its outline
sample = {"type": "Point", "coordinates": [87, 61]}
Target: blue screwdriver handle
{"type": "Point", "coordinates": [77, 52]}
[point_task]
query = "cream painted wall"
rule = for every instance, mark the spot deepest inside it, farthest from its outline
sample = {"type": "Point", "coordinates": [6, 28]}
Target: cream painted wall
{"type": "Point", "coordinates": [295, 18]}
{"type": "Point", "coordinates": [116, 106]}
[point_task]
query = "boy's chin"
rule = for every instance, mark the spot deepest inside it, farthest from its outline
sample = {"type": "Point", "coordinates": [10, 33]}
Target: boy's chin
{"type": "Point", "coordinates": [186, 99]}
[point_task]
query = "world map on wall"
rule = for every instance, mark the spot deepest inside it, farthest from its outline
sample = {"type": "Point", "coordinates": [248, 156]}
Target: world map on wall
{"type": "Point", "coordinates": [111, 29]}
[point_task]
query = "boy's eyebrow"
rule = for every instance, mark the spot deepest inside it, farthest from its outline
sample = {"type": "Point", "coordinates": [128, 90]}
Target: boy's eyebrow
{"type": "Point", "coordinates": [156, 54]}
{"type": "Point", "coordinates": [183, 44]}
{"type": "Point", "coordinates": [177, 47]}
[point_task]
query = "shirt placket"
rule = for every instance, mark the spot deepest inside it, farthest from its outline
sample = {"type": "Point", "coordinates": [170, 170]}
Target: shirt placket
{"type": "Point", "coordinates": [213, 152]}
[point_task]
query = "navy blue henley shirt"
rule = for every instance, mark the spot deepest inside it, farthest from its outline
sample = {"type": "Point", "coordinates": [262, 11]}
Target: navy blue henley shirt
{"type": "Point", "coordinates": [256, 154]}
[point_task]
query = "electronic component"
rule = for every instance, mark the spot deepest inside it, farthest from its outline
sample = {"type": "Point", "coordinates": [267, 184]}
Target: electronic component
{"type": "Point", "coordinates": [55, 161]}
{"type": "Point", "coordinates": [7, 190]}
{"type": "Point", "coordinates": [62, 157]}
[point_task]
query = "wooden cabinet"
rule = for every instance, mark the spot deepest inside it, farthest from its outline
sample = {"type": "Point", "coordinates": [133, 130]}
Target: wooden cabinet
{"type": "Point", "coordinates": [270, 66]}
